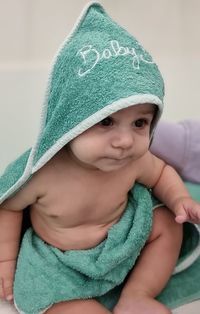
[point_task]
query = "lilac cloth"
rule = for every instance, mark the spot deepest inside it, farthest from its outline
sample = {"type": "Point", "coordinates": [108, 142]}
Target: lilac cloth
{"type": "Point", "coordinates": [179, 145]}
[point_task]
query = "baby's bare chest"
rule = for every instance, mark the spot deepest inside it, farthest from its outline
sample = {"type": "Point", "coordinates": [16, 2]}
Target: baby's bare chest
{"type": "Point", "coordinates": [75, 202]}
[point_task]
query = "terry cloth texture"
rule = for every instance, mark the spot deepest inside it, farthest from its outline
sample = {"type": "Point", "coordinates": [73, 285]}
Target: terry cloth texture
{"type": "Point", "coordinates": [99, 69]}
{"type": "Point", "coordinates": [53, 276]}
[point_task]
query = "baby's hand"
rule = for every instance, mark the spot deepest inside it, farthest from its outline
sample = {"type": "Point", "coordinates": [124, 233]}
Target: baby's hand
{"type": "Point", "coordinates": [186, 209]}
{"type": "Point", "coordinates": [7, 271]}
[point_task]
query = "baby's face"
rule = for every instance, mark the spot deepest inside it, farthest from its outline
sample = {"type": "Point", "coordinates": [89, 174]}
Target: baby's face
{"type": "Point", "coordinates": [116, 140]}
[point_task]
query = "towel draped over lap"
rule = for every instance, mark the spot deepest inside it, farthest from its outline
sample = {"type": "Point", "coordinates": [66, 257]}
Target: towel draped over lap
{"type": "Point", "coordinates": [45, 275]}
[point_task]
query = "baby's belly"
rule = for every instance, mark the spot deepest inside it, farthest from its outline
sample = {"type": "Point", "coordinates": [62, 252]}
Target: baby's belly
{"type": "Point", "coordinates": [76, 238]}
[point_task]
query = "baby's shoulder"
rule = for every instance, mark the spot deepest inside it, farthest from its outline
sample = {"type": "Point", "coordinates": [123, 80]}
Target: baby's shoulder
{"type": "Point", "coordinates": [26, 195]}
{"type": "Point", "coordinates": [55, 170]}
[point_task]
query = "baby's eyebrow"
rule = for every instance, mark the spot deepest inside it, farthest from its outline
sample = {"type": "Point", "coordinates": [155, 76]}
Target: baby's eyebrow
{"type": "Point", "coordinates": [147, 111]}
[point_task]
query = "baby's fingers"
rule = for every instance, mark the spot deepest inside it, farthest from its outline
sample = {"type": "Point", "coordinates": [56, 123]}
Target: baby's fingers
{"type": "Point", "coordinates": [181, 215]}
{"type": "Point", "coordinates": [194, 216]}
{"type": "Point", "coordinates": [6, 289]}
{"type": "Point", "coordinates": [181, 219]}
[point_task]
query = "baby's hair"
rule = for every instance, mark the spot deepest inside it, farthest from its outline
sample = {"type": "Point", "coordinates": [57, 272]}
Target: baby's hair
{"type": "Point", "coordinates": [154, 117]}
{"type": "Point", "coordinates": [156, 110]}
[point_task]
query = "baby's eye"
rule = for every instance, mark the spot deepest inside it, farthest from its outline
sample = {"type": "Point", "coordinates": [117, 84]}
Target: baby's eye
{"type": "Point", "coordinates": [140, 123]}
{"type": "Point", "coordinates": [106, 122]}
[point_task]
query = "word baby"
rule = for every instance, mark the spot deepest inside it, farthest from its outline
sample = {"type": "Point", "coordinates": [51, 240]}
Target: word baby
{"type": "Point", "coordinates": [91, 56]}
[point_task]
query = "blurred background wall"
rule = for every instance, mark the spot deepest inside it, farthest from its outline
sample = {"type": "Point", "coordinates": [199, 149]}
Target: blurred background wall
{"type": "Point", "coordinates": [32, 30]}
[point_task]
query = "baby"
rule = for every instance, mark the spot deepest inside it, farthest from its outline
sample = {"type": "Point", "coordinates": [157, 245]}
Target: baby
{"type": "Point", "coordinates": [110, 156]}
{"type": "Point", "coordinates": [81, 188]}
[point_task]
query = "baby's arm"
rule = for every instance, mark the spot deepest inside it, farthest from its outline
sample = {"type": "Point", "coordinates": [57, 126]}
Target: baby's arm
{"type": "Point", "coordinates": [10, 231]}
{"type": "Point", "coordinates": [169, 188]}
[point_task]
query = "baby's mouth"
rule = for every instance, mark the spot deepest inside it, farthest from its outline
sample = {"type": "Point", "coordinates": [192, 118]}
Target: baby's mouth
{"type": "Point", "coordinates": [120, 159]}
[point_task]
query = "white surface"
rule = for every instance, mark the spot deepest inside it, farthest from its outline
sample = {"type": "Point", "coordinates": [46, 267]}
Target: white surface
{"type": "Point", "coordinates": [192, 308]}
{"type": "Point", "coordinates": [6, 308]}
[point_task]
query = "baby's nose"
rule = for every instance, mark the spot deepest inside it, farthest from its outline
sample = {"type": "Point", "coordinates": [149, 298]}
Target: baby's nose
{"type": "Point", "coordinates": [124, 139]}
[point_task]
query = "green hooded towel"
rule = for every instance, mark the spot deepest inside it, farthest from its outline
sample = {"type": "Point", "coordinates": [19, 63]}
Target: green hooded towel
{"type": "Point", "coordinates": [99, 70]}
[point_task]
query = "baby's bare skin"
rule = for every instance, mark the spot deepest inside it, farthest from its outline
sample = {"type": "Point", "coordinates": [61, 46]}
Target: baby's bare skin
{"type": "Point", "coordinates": [65, 215]}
